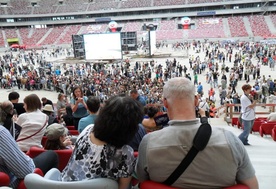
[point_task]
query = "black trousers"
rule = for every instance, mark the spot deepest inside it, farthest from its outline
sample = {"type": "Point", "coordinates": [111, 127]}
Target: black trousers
{"type": "Point", "coordinates": [46, 161]}
{"type": "Point", "coordinates": [76, 122]}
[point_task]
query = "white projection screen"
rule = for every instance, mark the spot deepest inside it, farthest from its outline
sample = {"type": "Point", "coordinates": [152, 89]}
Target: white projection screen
{"type": "Point", "coordinates": [103, 46]}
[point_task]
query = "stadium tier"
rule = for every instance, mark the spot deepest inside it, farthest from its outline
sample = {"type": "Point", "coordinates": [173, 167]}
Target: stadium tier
{"type": "Point", "coordinates": [215, 27]}
{"type": "Point", "coordinates": [259, 26]}
{"type": "Point", "coordinates": [212, 28]}
{"type": "Point", "coordinates": [18, 7]}
{"type": "Point", "coordinates": [53, 22]}
{"type": "Point", "coordinates": [237, 22]}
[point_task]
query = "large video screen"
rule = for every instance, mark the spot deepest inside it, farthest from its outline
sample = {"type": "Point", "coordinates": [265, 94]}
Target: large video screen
{"type": "Point", "coordinates": [103, 46]}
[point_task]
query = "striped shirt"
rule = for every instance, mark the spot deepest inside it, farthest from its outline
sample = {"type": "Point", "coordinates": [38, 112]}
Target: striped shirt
{"type": "Point", "coordinates": [12, 160]}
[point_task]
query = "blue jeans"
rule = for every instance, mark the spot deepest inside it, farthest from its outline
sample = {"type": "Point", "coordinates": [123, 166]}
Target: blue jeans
{"type": "Point", "coordinates": [247, 128]}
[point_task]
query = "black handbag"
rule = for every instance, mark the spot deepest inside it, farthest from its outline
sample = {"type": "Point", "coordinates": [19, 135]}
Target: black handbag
{"type": "Point", "coordinates": [200, 141]}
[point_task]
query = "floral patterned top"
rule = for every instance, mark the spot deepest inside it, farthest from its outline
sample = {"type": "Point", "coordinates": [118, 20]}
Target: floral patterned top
{"type": "Point", "coordinates": [90, 161]}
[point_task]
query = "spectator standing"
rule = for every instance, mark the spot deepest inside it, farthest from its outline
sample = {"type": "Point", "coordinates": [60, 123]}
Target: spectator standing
{"type": "Point", "coordinates": [78, 105]}
{"type": "Point", "coordinates": [211, 92]}
{"type": "Point", "coordinates": [205, 106]}
{"type": "Point", "coordinates": [135, 95]}
{"type": "Point", "coordinates": [248, 113]}
{"type": "Point", "coordinates": [200, 89]}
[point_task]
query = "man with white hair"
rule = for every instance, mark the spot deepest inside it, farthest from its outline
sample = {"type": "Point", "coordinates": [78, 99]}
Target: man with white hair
{"type": "Point", "coordinates": [161, 152]}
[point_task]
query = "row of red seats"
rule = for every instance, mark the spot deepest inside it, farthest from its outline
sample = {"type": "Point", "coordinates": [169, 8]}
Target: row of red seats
{"type": "Point", "coordinates": [260, 125]}
{"type": "Point", "coordinates": [5, 179]}
{"type": "Point", "coordinates": [150, 185]}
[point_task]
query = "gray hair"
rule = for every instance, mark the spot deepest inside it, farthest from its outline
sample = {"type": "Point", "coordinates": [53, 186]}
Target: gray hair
{"type": "Point", "coordinates": [179, 88]}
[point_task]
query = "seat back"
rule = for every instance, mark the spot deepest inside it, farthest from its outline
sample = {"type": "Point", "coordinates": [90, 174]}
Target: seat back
{"type": "Point", "coordinates": [74, 132]}
{"type": "Point", "coordinates": [34, 181]}
{"type": "Point", "coordinates": [266, 128]}
{"type": "Point", "coordinates": [273, 135]}
{"type": "Point", "coordinates": [152, 185]}
{"type": "Point", "coordinates": [5, 179]}
{"type": "Point", "coordinates": [238, 186]}
{"type": "Point", "coordinates": [72, 127]}
{"type": "Point", "coordinates": [22, 185]}
{"type": "Point", "coordinates": [63, 155]}
{"type": "Point", "coordinates": [256, 126]}
{"type": "Point", "coordinates": [234, 121]}
{"type": "Point", "coordinates": [261, 119]}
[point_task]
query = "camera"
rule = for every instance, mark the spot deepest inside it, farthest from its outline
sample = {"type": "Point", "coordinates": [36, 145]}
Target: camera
{"type": "Point", "coordinates": [76, 98]}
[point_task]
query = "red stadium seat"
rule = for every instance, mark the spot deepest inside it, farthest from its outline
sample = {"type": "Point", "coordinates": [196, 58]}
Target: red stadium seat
{"type": "Point", "coordinates": [266, 128]}
{"type": "Point", "coordinates": [74, 132]}
{"type": "Point", "coordinates": [234, 121]}
{"type": "Point", "coordinates": [135, 154]}
{"type": "Point", "coordinates": [151, 184]}
{"type": "Point", "coordinates": [273, 135]}
{"type": "Point", "coordinates": [21, 184]}
{"type": "Point", "coordinates": [63, 155]}
{"type": "Point", "coordinates": [5, 179]}
{"type": "Point", "coordinates": [256, 126]}
{"type": "Point", "coordinates": [72, 127]}
{"type": "Point", "coordinates": [239, 125]}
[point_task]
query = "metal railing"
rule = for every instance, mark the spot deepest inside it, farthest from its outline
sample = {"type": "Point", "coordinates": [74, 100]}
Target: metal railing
{"type": "Point", "coordinates": [228, 110]}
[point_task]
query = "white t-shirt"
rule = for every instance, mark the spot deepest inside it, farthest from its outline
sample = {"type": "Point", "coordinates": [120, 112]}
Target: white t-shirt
{"type": "Point", "coordinates": [247, 113]}
{"type": "Point", "coordinates": [31, 122]}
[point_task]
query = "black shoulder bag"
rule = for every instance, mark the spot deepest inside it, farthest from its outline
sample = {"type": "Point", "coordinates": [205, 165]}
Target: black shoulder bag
{"type": "Point", "coordinates": [199, 143]}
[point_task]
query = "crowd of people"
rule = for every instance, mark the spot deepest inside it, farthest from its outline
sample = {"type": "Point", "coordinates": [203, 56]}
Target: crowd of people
{"type": "Point", "coordinates": [114, 109]}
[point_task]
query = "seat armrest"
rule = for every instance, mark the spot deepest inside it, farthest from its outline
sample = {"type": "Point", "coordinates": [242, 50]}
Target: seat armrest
{"type": "Point", "coordinates": [53, 174]}
{"type": "Point", "coordinates": [4, 179]}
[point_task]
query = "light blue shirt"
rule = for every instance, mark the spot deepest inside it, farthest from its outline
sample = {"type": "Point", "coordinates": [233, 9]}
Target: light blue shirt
{"type": "Point", "coordinates": [81, 111]}
{"type": "Point", "coordinates": [84, 122]}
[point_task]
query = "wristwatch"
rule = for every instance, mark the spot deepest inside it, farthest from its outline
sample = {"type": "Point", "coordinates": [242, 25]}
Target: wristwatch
{"type": "Point", "coordinates": [204, 119]}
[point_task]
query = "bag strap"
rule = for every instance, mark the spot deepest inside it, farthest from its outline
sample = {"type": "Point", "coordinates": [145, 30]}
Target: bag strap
{"type": "Point", "coordinates": [203, 105]}
{"type": "Point", "coordinates": [21, 139]}
{"type": "Point", "coordinates": [199, 143]}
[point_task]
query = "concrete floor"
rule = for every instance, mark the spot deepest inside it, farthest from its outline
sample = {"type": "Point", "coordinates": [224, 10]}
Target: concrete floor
{"type": "Point", "coordinates": [262, 153]}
